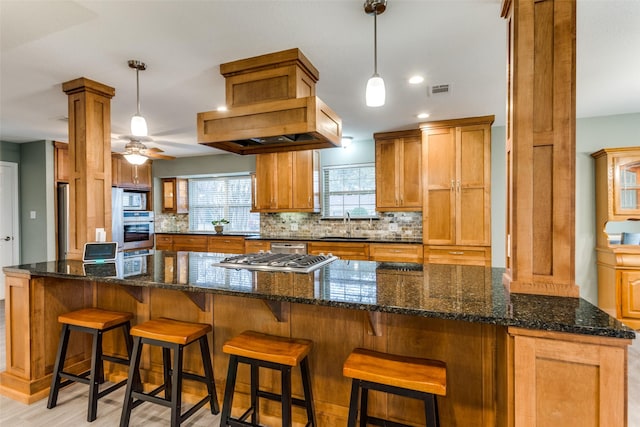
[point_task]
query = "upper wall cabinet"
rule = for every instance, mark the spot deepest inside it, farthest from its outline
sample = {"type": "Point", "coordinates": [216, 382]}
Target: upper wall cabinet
{"type": "Point", "coordinates": [457, 194]}
{"type": "Point", "coordinates": [126, 175]}
{"type": "Point", "coordinates": [175, 195]}
{"type": "Point", "coordinates": [399, 171]}
{"type": "Point", "coordinates": [287, 182]}
{"type": "Point", "coordinates": [61, 161]}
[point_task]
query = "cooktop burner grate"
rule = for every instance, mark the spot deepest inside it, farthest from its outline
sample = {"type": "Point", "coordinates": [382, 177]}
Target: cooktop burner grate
{"type": "Point", "coordinates": [267, 261]}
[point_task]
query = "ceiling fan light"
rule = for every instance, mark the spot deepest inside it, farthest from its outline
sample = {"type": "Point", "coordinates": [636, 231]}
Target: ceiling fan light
{"type": "Point", "coordinates": [139, 126]}
{"type": "Point", "coordinates": [135, 158]}
{"type": "Point", "coordinates": [375, 91]}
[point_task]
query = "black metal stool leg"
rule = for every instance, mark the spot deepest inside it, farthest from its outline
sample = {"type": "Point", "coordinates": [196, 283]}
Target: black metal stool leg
{"type": "Point", "coordinates": [255, 401]}
{"type": "Point", "coordinates": [94, 375]}
{"type": "Point", "coordinates": [353, 403]}
{"type": "Point", "coordinates": [286, 396]}
{"type": "Point", "coordinates": [166, 371]}
{"type": "Point", "coordinates": [58, 367]}
{"type": "Point", "coordinates": [308, 393]}
{"type": "Point", "coordinates": [228, 390]}
{"type": "Point", "coordinates": [176, 385]}
{"type": "Point", "coordinates": [431, 411]}
{"type": "Point", "coordinates": [364, 406]}
{"type": "Point", "coordinates": [208, 373]}
{"type": "Point", "coordinates": [134, 364]}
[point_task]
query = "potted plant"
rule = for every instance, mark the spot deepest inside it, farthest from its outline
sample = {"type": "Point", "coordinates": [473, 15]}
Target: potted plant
{"type": "Point", "coordinates": [218, 225]}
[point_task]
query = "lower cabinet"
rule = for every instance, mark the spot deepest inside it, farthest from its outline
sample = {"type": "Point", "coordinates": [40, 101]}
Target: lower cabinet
{"type": "Point", "coordinates": [619, 283]}
{"type": "Point", "coordinates": [395, 252]}
{"type": "Point", "coordinates": [192, 243]}
{"type": "Point", "coordinates": [226, 244]}
{"type": "Point", "coordinates": [255, 246]}
{"type": "Point", "coordinates": [164, 242]}
{"type": "Point", "coordinates": [629, 283]}
{"type": "Point", "coordinates": [465, 255]}
{"type": "Point", "coordinates": [355, 250]}
{"type": "Point", "coordinates": [200, 243]}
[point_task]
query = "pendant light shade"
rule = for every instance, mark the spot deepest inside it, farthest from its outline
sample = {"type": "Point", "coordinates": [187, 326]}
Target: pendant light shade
{"type": "Point", "coordinates": [138, 123]}
{"type": "Point", "coordinates": [375, 93]}
{"type": "Point", "coordinates": [139, 126]}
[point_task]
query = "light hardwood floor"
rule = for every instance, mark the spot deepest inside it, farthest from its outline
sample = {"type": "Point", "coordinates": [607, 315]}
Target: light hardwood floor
{"type": "Point", "coordinates": [71, 410]}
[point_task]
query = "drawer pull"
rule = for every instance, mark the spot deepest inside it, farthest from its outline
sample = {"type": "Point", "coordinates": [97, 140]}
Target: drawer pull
{"type": "Point", "coordinates": [456, 252]}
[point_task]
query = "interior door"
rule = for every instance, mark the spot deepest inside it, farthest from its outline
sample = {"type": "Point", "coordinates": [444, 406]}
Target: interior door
{"type": "Point", "coordinates": [9, 243]}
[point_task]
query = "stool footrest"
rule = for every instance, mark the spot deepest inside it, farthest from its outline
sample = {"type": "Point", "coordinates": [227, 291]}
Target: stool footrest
{"type": "Point", "coordinates": [278, 398]}
{"type": "Point", "coordinates": [111, 388]}
{"type": "Point", "coordinates": [116, 359]}
{"type": "Point", "coordinates": [384, 423]}
{"type": "Point", "coordinates": [81, 378]}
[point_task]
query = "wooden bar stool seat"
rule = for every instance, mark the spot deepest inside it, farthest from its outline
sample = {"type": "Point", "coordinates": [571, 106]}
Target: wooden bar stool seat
{"type": "Point", "coordinates": [173, 335]}
{"type": "Point", "coordinates": [405, 376]}
{"type": "Point", "coordinates": [96, 322]}
{"type": "Point", "coordinates": [273, 352]}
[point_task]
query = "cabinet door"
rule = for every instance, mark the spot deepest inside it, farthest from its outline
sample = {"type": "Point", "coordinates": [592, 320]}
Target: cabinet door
{"type": "Point", "coordinates": [142, 175]}
{"type": "Point", "coordinates": [62, 162]}
{"type": "Point", "coordinates": [440, 157]}
{"type": "Point", "coordinates": [264, 181]}
{"type": "Point", "coordinates": [164, 242]}
{"type": "Point", "coordinates": [473, 205]}
{"type": "Point", "coordinates": [626, 185]}
{"type": "Point", "coordinates": [305, 181]}
{"type": "Point", "coordinates": [283, 198]}
{"type": "Point", "coordinates": [386, 174]}
{"type": "Point", "coordinates": [169, 195]}
{"type": "Point", "coordinates": [410, 174]}
{"type": "Point", "coordinates": [630, 294]}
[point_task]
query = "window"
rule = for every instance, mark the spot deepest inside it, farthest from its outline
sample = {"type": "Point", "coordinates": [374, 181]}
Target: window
{"type": "Point", "coordinates": [226, 197]}
{"type": "Point", "coordinates": [349, 189]}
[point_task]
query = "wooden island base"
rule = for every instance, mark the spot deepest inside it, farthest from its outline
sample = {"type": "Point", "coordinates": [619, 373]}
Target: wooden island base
{"type": "Point", "coordinates": [487, 365]}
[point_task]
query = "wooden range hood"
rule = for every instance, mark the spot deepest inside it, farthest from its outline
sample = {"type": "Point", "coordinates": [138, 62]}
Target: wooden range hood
{"type": "Point", "coordinates": [272, 107]}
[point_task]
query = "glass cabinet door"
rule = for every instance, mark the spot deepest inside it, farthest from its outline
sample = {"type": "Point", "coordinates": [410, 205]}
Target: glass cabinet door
{"type": "Point", "coordinates": [626, 186]}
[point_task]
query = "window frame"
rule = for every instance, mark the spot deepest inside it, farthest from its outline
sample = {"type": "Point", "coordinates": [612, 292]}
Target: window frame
{"type": "Point", "coordinates": [326, 194]}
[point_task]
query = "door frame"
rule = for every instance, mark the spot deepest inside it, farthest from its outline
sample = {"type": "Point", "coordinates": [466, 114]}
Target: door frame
{"type": "Point", "coordinates": [15, 247]}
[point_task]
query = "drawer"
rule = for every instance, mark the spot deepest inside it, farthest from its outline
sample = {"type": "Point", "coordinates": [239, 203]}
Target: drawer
{"type": "Point", "coordinates": [254, 246]}
{"type": "Point", "coordinates": [356, 251]}
{"type": "Point", "coordinates": [183, 242]}
{"type": "Point", "coordinates": [226, 244]}
{"type": "Point", "coordinates": [164, 242]}
{"type": "Point", "coordinates": [391, 252]}
{"type": "Point", "coordinates": [465, 255]}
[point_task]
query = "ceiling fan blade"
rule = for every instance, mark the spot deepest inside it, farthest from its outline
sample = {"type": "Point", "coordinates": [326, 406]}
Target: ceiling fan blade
{"type": "Point", "coordinates": [154, 150]}
{"type": "Point", "coordinates": [153, 155]}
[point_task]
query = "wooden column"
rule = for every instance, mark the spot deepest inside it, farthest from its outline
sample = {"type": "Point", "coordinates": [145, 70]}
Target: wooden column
{"type": "Point", "coordinates": [89, 161]}
{"type": "Point", "coordinates": [540, 146]}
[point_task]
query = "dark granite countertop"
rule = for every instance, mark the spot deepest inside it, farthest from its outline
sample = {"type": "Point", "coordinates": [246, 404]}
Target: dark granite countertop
{"type": "Point", "coordinates": [455, 292]}
{"type": "Point", "coordinates": [247, 236]}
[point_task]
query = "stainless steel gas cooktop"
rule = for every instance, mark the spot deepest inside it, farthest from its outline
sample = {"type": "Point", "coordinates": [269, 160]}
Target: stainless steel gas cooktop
{"type": "Point", "coordinates": [267, 261]}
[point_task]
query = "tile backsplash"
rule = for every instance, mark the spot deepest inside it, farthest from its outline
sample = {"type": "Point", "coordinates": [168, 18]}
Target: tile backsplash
{"type": "Point", "coordinates": [388, 225]}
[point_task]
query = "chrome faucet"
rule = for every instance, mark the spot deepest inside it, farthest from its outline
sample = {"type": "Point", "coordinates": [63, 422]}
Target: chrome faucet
{"type": "Point", "coordinates": [348, 221]}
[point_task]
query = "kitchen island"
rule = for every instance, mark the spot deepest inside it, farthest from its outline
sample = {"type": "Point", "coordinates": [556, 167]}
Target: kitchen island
{"type": "Point", "coordinates": [511, 359]}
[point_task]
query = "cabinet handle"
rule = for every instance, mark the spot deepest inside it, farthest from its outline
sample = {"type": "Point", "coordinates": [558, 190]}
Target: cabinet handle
{"type": "Point", "coordinates": [456, 252]}
{"type": "Point", "coordinates": [452, 184]}
{"type": "Point", "coordinates": [458, 185]}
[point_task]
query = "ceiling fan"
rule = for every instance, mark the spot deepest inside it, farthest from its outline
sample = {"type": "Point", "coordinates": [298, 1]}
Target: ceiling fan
{"type": "Point", "coordinates": [136, 152]}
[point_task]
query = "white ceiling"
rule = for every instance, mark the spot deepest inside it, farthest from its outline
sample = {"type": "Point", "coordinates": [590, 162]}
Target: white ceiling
{"type": "Point", "coordinates": [456, 42]}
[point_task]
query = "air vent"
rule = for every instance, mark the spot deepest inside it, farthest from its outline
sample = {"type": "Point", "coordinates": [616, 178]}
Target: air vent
{"type": "Point", "coordinates": [437, 89]}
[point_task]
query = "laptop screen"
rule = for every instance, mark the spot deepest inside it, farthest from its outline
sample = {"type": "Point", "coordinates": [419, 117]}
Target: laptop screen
{"type": "Point", "coordinates": [100, 252]}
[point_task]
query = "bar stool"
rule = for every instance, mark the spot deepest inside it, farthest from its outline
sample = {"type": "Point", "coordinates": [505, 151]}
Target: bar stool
{"type": "Point", "coordinates": [405, 376]}
{"type": "Point", "coordinates": [273, 352]}
{"type": "Point", "coordinates": [173, 335]}
{"type": "Point", "coordinates": [96, 322]}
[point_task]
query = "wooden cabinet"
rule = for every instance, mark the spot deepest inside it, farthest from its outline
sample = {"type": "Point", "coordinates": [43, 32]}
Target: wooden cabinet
{"type": "Point", "coordinates": [398, 171]}
{"type": "Point", "coordinates": [254, 246]}
{"type": "Point", "coordinates": [456, 157]}
{"type": "Point", "coordinates": [126, 175]}
{"type": "Point", "coordinates": [175, 195]}
{"type": "Point", "coordinates": [617, 187]}
{"type": "Point", "coordinates": [190, 242]}
{"type": "Point", "coordinates": [391, 252]}
{"type": "Point", "coordinates": [164, 242]}
{"type": "Point", "coordinates": [225, 244]}
{"type": "Point", "coordinates": [351, 250]}
{"type": "Point", "coordinates": [61, 159]}
{"type": "Point", "coordinates": [287, 182]}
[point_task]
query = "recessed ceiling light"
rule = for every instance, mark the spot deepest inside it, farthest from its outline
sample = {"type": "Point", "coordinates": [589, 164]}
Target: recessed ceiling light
{"type": "Point", "coordinates": [222, 108]}
{"type": "Point", "coordinates": [415, 80]}
{"type": "Point", "coordinates": [423, 115]}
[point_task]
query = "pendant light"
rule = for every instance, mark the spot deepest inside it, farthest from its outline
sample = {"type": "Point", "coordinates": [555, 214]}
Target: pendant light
{"type": "Point", "coordinates": [138, 123]}
{"type": "Point", "coordinates": [375, 94]}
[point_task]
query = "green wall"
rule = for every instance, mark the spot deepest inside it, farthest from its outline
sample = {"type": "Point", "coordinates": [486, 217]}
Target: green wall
{"type": "Point", "coordinates": [9, 152]}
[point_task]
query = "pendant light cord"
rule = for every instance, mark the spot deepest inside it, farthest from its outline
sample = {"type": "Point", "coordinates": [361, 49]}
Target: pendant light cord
{"type": "Point", "coordinates": [138, 90]}
{"type": "Point", "coordinates": [375, 42]}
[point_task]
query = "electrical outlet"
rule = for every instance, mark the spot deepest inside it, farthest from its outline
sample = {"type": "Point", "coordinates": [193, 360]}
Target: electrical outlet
{"type": "Point", "coordinates": [294, 226]}
{"type": "Point", "coordinates": [393, 226]}
{"type": "Point", "coordinates": [32, 214]}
